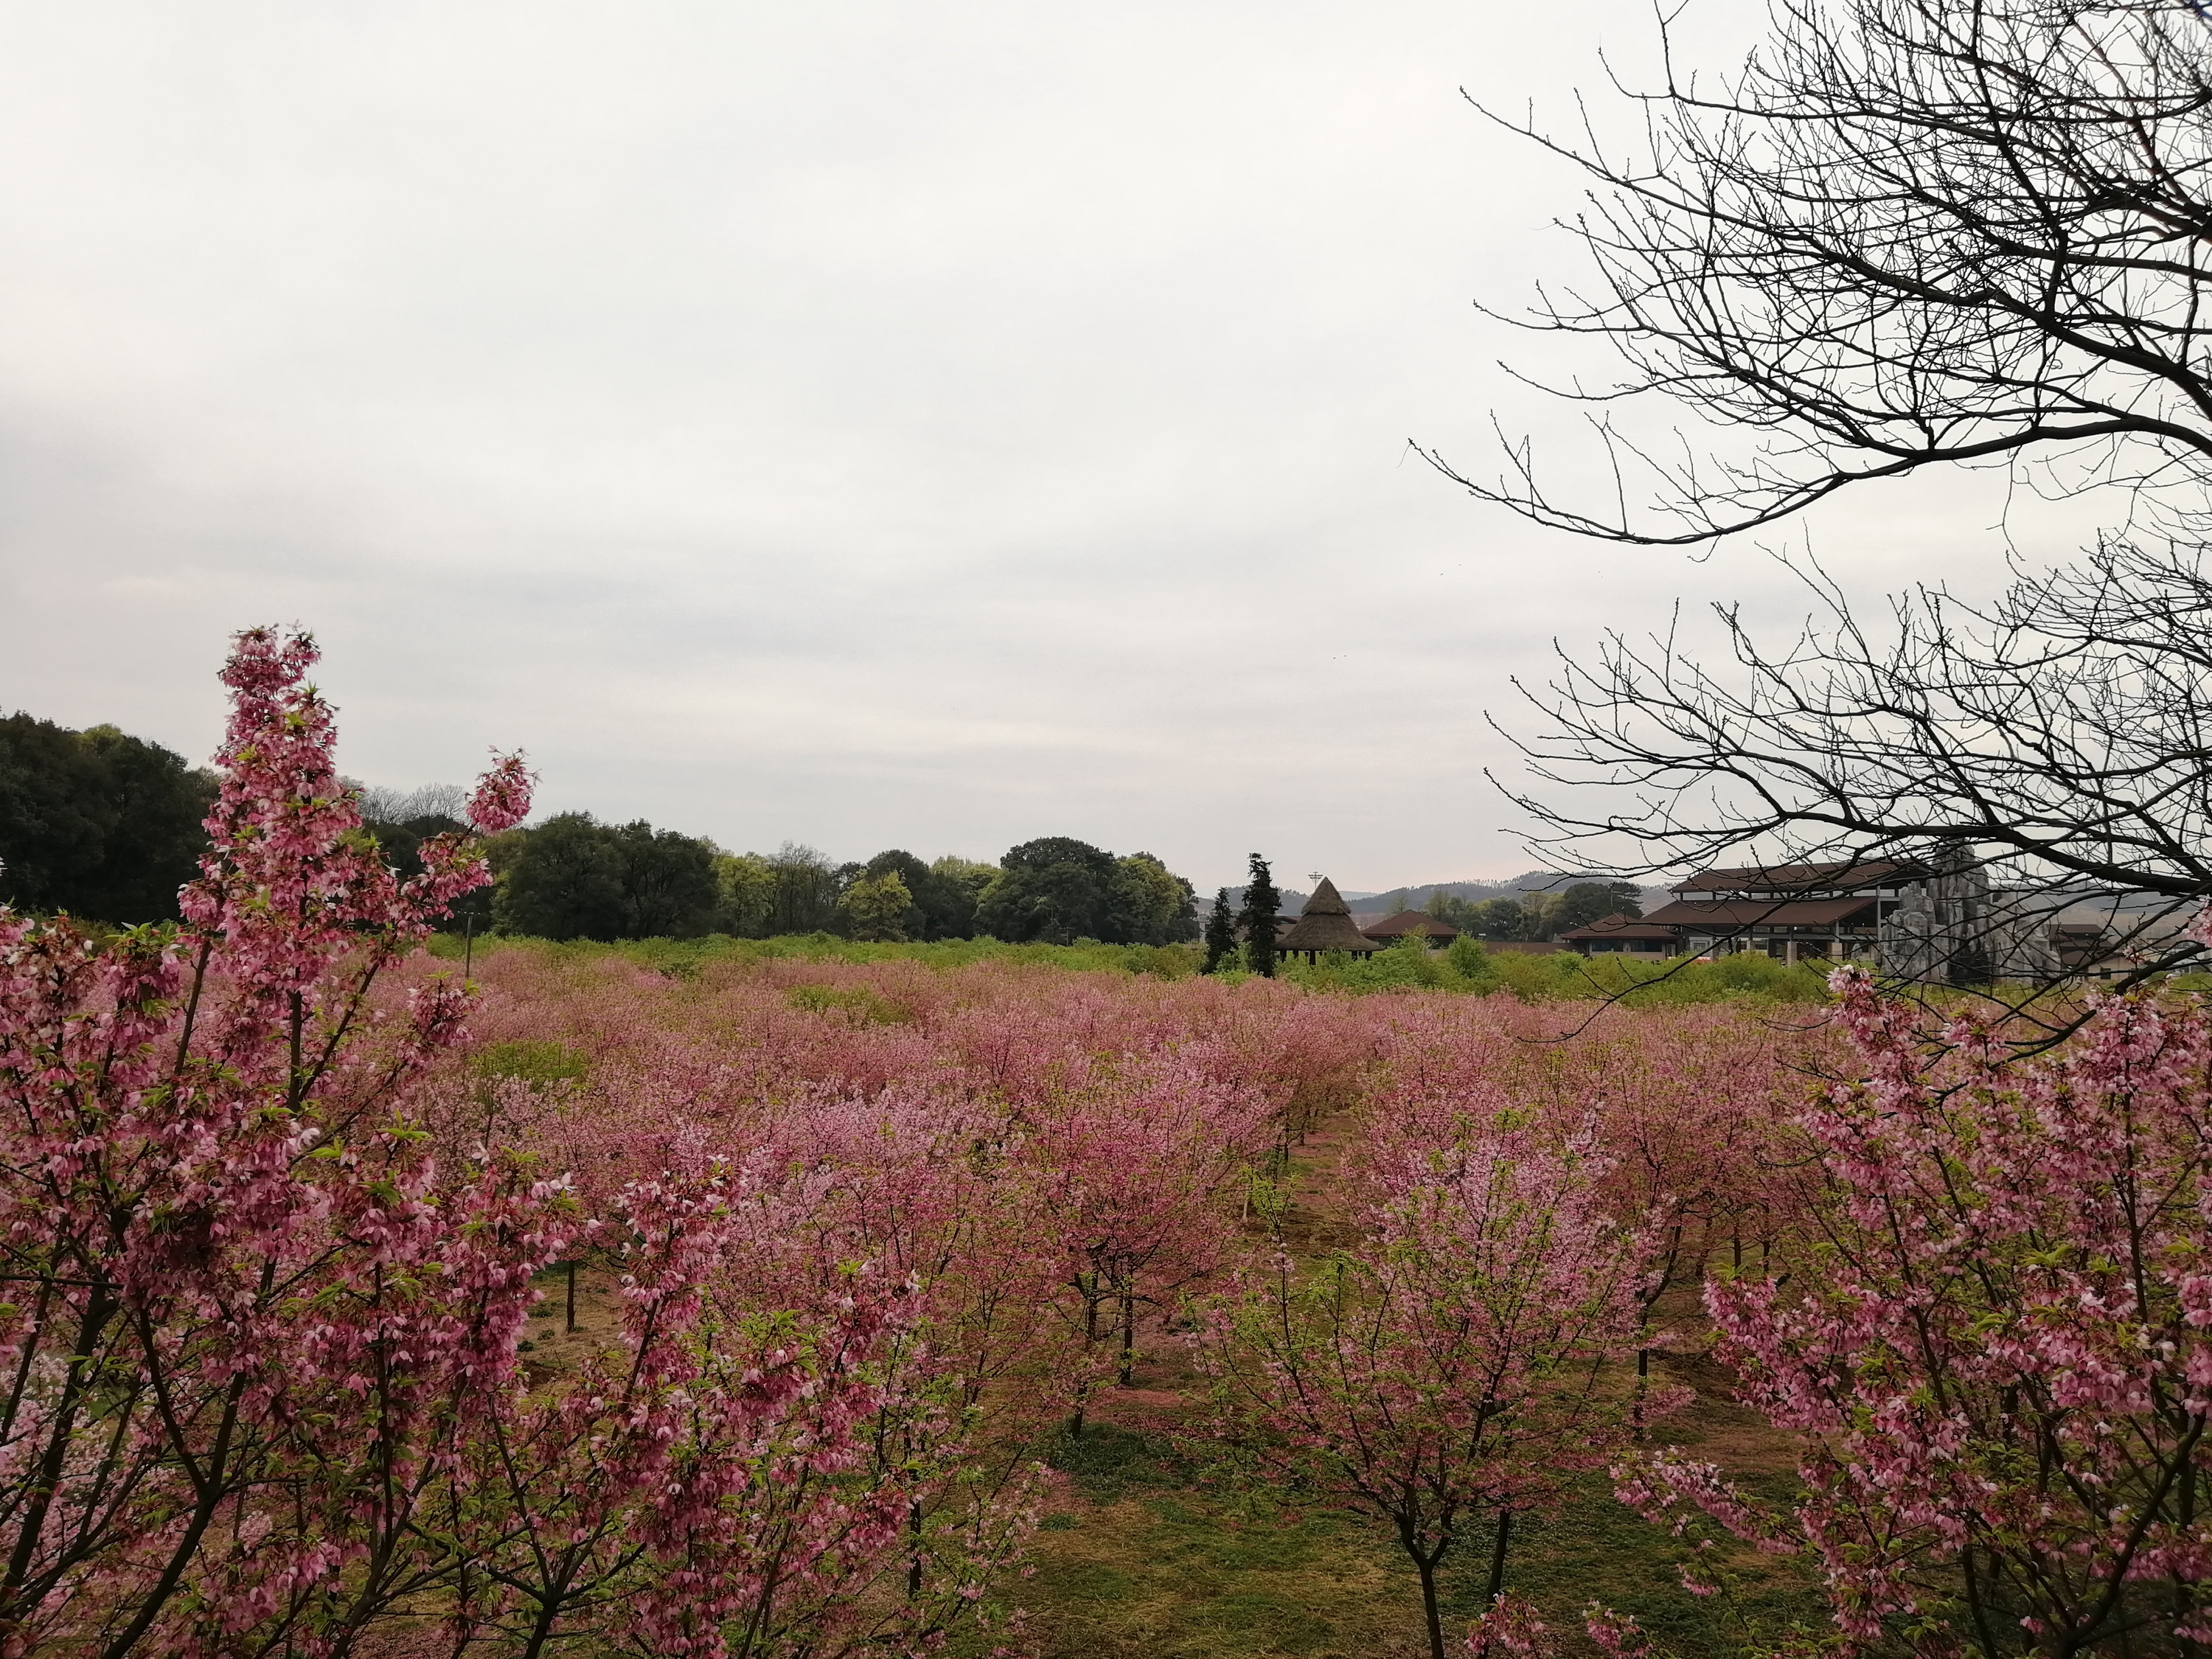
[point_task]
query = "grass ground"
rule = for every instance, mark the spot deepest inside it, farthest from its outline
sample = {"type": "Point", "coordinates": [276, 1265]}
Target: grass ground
{"type": "Point", "coordinates": [1467, 967]}
{"type": "Point", "coordinates": [1144, 1554]}
{"type": "Point", "coordinates": [683, 957]}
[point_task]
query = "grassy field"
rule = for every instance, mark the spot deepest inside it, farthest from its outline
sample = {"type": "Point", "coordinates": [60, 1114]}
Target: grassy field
{"type": "Point", "coordinates": [1467, 967]}
{"type": "Point", "coordinates": [1141, 1557]}
{"type": "Point", "coordinates": [1148, 1553]}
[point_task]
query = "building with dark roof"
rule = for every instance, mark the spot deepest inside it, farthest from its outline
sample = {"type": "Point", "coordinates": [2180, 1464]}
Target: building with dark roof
{"type": "Point", "coordinates": [1391, 929]}
{"type": "Point", "coordinates": [1792, 912]}
{"type": "Point", "coordinates": [1791, 880]}
{"type": "Point", "coordinates": [1910, 920]}
{"type": "Point", "coordinates": [1617, 934]}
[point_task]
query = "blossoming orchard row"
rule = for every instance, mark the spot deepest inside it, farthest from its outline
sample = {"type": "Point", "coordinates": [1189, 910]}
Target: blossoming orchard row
{"type": "Point", "coordinates": [277, 1191]}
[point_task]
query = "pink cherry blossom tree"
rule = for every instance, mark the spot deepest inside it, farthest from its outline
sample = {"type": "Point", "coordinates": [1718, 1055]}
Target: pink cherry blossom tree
{"type": "Point", "coordinates": [1999, 1355]}
{"type": "Point", "coordinates": [1134, 1172]}
{"type": "Point", "coordinates": [704, 1486]}
{"type": "Point", "coordinates": [1448, 1369]}
{"type": "Point", "coordinates": [246, 1313]}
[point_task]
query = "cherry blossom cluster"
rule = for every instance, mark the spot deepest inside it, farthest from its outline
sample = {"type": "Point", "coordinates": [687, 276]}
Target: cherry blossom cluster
{"type": "Point", "coordinates": [1997, 1345]}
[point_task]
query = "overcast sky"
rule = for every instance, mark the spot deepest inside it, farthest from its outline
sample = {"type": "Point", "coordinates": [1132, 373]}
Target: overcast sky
{"type": "Point", "coordinates": [866, 424]}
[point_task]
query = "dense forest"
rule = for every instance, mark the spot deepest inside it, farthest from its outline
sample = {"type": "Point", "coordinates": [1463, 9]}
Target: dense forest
{"type": "Point", "coordinates": [107, 827]}
{"type": "Point", "coordinates": [96, 823]}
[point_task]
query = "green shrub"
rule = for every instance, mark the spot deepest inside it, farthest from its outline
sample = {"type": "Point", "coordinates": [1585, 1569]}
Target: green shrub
{"type": "Point", "coordinates": [682, 957]}
{"type": "Point", "coordinates": [1467, 966]}
{"type": "Point", "coordinates": [536, 1063]}
{"type": "Point", "coordinates": [859, 1004]}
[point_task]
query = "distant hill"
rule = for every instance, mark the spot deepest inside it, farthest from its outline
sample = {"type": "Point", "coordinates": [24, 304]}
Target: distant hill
{"type": "Point", "coordinates": [1474, 892]}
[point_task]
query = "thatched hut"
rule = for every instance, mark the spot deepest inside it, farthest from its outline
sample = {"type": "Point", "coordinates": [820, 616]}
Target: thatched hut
{"type": "Point", "coordinates": [1325, 924]}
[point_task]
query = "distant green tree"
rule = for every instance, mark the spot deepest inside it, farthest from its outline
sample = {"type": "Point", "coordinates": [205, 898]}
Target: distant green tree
{"type": "Point", "coordinates": [1541, 913]}
{"type": "Point", "coordinates": [744, 895]}
{"type": "Point", "coordinates": [1150, 904]}
{"type": "Point", "coordinates": [804, 898]}
{"type": "Point", "coordinates": [1587, 900]}
{"type": "Point", "coordinates": [50, 818]}
{"type": "Point", "coordinates": [1391, 903]}
{"type": "Point", "coordinates": [1261, 903]}
{"type": "Point", "coordinates": [574, 877]}
{"type": "Point", "coordinates": [1450, 910]}
{"type": "Point", "coordinates": [877, 907]}
{"type": "Point", "coordinates": [154, 804]}
{"type": "Point", "coordinates": [96, 823]}
{"type": "Point", "coordinates": [960, 884]}
{"type": "Point", "coordinates": [945, 893]}
{"type": "Point", "coordinates": [668, 885]}
{"type": "Point", "coordinates": [1501, 920]}
{"type": "Point", "coordinates": [1220, 935]}
{"type": "Point", "coordinates": [841, 877]}
{"type": "Point", "coordinates": [563, 880]}
{"type": "Point", "coordinates": [917, 921]}
{"type": "Point", "coordinates": [1055, 890]}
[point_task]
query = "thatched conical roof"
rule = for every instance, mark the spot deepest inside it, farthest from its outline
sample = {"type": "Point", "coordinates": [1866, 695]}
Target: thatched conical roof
{"type": "Point", "coordinates": [1325, 924]}
{"type": "Point", "coordinates": [1326, 902]}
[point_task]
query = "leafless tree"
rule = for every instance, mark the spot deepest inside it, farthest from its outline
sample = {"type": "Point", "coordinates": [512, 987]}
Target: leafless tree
{"type": "Point", "coordinates": [1910, 234]}
{"type": "Point", "coordinates": [383, 805]}
{"type": "Point", "coordinates": [2060, 740]}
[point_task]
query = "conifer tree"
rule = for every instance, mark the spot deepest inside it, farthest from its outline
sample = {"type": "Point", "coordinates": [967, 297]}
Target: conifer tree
{"type": "Point", "coordinates": [1220, 933]}
{"type": "Point", "coordinates": [1258, 918]}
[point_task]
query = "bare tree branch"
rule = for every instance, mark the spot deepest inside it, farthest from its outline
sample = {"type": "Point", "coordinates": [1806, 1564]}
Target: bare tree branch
{"type": "Point", "coordinates": [1906, 234]}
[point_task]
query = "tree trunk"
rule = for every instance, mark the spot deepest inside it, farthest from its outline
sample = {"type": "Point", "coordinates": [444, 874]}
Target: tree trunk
{"type": "Point", "coordinates": [77, 1381]}
{"type": "Point", "coordinates": [1497, 1559]}
{"type": "Point", "coordinates": [1091, 1300]}
{"type": "Point", "coordinates": [1428, 1570]}
{"type": "Point", "coordinates": [572, 1295]}
{"type": "Point", "coordinates": [1129, 1335]}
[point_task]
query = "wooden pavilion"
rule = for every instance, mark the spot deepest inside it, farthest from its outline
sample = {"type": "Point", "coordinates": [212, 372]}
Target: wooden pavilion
{"type": "Point", "coordinates": [1325, 924]}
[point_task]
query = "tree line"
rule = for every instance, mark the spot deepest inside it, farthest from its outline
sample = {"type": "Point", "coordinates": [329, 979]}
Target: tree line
{"type": "Point", "coordinates": [1534, 916]}
{"type": "Point", "coordinates": [574, 877]}
{"type": "Point", "coordinates": [108, 827]}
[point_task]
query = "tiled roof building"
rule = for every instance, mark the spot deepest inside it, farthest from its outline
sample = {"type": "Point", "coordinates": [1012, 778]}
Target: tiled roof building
{"type": "Point", "coordinates": [1412, 921]}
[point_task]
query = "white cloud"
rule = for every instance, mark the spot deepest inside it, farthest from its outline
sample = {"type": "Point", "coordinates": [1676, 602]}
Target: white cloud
{"type": "Point", "coordinates": [866, 423]}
